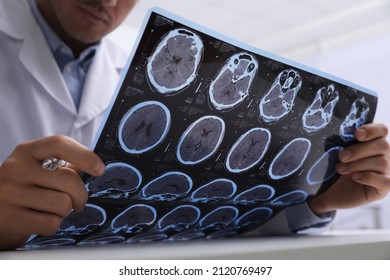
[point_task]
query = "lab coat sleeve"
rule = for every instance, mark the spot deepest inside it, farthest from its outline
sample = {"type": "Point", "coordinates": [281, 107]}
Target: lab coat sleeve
{"type": "Point", "coordinates": [297, 219]}
{"type": "Point", "coordinates": [302, 220]}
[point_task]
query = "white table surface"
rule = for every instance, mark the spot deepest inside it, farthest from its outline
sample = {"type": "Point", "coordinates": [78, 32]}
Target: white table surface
{"type": "Point", "coordinates": [337, 245]}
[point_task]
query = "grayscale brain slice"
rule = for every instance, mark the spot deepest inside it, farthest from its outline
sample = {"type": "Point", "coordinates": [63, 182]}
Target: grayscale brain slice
{"type": "Point", "coordinates": [52, 242]}
{"type": "Point", "coordinates": [293, 197]}
{"type": "Point", "coordinates": [356, 117]}
{"type": "Point", "coordinates": [320, 112]}
{"type": "Point", "coordinates": [325, 167]}
{"type": "Point", "coordinates": [119, 180]}
{"type": "Point", "coordinates": [147, 237]}
{"type": "Point", "coordinates": [179, 219]}
{"type": "Point", "coordinates": [186, 235]}
{"type": "Point", "coordinates": [254, 218]}
{"type": "Point", "coordinates": [225, 233]}
{"type": "Point", "coordinates": [201, 139]}
{"type": "Point", "coordinates": [219, 218]}
{"type": "Point", "coordinates": [216, 190]}
{"type": "Point", "coordinates": [101, 240]}
{"type": "Point", "coordinates": [134, 219]}
{"type": "Point", "coordinates": [256, 194]}
{"type": "Point", "coordinates": [82, 223]}
{"type": "Point", "coordinates": [280, 98]}
{"type": "Point", "coordinates": [168, 186]}
{"type": "Point", "coordinates": [231, 86]}
{"type": "Point", "coordinates": [290, 158]}
{"type": "Point", "coordinates": [143, 127]}
{"type": "Point", "coordinates": [248, 150]}
{"type": "Point", "coordinates": [174, 63]}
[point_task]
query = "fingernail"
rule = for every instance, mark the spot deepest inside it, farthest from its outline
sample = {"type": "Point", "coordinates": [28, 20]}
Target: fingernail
{"type": "Point", "coordinates": [361, 133]}
{"type": "Point", "coordinates": [100, 168]}
{"type": "Point", "coordinates": [341, 168]}
{"type": "Point", "coordinates": [344, 155]}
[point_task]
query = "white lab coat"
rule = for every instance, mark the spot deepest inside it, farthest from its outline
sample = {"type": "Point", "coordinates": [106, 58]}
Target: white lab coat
{"type": "Point", "coordinates": [34, 100]}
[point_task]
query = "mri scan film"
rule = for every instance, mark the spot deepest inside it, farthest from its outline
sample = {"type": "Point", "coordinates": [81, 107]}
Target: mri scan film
{"type": "Point", "coordinates": [208, 138]}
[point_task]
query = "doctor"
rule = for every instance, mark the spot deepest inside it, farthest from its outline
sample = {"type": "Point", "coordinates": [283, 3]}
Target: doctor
{"type": "Point", "coordinates": [57, 75]}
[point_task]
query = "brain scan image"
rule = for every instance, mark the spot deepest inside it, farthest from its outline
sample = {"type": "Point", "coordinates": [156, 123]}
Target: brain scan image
{"type": "Point", "coordinates": [325, 167]}
{"type": "Point", "coordinates": [101, 240]}
{"type": "Point", "coordinates": [118, 181]}
{"type": "Point", "coordinates": [216, 190]}
{"type": "Point", "coordinates": [201, 139]}
{"type": "Point", "coordinates": [320, 112]}
{"type": "Point", "coordinates": [293, 197]}
{"type": "Point", "coordinates": [134, 219]}
{"type": "Point", "coordinates": [248, 150]}
{"type": "Point", "coordinates": [290, 158]}
{"type": "Point", "coordinates": [260, 193]}
{"type": "Point", "coordinates": [147, 237]}
{"type": "Point", "coordinates": [179, 219]}
{"type": "Point", "coordinates": [175, 61]}
{"type": "Point", "coordinates": [186, 235]}
{"type": "Point", "coordinates": [225, 233]}
{"type": "Point", "coordinates": [357, 117]}
{"type": "Point", "coordinates": [143, 127]}
{"type": "Point", "coordinates": [280, 98]}
{"type": "Point", "coordinates": [52, 242]}
{"type": "Point", "coordinates": [83, 223]}
{"type": "Point", "coordinates": [254, 218]}
{"type": "Point", "coordinates": [219, 218]}
{"type": "Point", "coordinates": [168, 186]}
{"type": "Point", "coordinates": [231, 86]}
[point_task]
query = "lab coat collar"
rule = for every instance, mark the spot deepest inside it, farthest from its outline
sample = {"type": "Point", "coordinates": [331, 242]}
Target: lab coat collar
{"type": "Point", "coordinates": [100, 83]}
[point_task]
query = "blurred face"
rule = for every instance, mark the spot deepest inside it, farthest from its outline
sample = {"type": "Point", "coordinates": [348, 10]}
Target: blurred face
{"type": "Point", "coordinates": [84, 21]}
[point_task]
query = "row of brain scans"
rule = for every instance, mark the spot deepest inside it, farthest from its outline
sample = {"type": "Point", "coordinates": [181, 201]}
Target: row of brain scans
{"type": "Point", "coordinates": [174, 63]}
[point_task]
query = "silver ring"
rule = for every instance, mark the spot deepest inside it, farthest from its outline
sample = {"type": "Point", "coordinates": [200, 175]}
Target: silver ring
{"type": "Point", "coordinates": [52, 163]}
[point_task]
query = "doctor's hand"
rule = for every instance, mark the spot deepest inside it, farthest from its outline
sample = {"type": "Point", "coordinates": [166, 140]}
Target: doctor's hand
{"type": "Point", "coordinates": [365, 172]}
{"type": "Point", "coordinates": [34, 200]}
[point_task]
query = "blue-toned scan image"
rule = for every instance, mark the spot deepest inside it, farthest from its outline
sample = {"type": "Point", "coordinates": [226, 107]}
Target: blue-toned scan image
{"type": "Point", "coordinates": [174, 63]}
{"type": "Point", "coordinates": [143, 127]}
{"type": "Point", "coordinates": [320, 112]}
{"type": "Point", "coordinates": [232, 84]}
{"type": "Point", "coordinates": [207, 138]}
{"type": "Point", "coordinates": [118, 181]}
{"type": "Point", "coordinates": [280, 98]}
{"type": "Point", "coordinates": [200, 140]}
